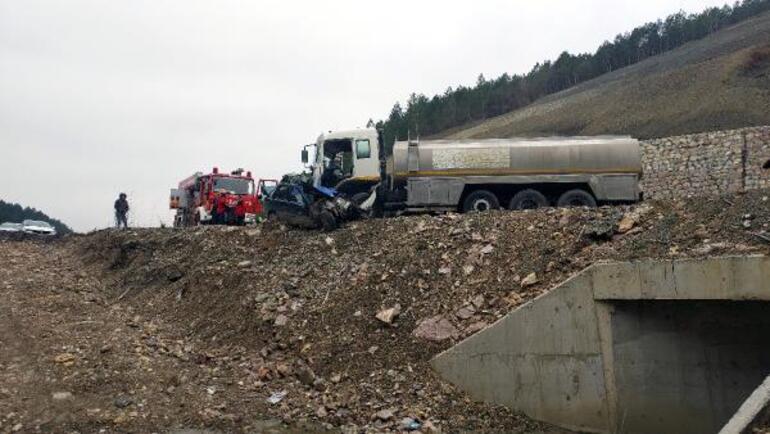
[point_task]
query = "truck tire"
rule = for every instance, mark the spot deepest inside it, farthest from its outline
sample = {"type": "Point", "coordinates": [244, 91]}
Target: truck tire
{"type": "Point", "coordinates": [528, 199]}
{"type": "Point", "coordinates": [359, 198]}
{"type": "Point", "coordinates": [576, 198]}
{"type": "Point", "coordinates": [328, 221]}
{"type": "Point", "coordinates": [480, 201]}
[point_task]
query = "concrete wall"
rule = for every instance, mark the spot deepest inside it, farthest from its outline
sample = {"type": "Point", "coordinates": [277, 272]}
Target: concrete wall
{"type": "Point", "coordinates": [733, 278]}
{"type": "Point", "coordinates": [707, 163]}
{"type": "Point", "coordinates": [544, 360]}
{"type": "Point", "coordinates": [664, 347]}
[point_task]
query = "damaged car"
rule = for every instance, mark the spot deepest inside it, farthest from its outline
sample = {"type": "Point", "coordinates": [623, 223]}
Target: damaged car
{"type": "Point", "coordinates": [296, 202]}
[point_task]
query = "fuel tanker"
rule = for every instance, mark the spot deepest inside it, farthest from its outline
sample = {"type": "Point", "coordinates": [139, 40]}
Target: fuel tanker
{"type": "Point", "coordinates": [477, 175]}
{"type": "Point", "coordinates": [519, 173]}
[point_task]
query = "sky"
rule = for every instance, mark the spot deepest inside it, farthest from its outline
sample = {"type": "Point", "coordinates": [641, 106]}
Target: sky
{"type": "Point", "coordinates": [99, 97]}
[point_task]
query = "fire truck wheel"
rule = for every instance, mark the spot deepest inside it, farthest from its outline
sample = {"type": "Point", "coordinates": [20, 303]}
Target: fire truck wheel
{"type": "Point", "coordinates": [328, 221]}
{"type": "Point", "coordinates": [229, 218]}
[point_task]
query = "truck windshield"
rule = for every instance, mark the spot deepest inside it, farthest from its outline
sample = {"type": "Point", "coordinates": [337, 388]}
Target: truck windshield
{"type": "Point", "coordinates": [235, 185]}
{"type": "Point", "coordinates": [338, 153]}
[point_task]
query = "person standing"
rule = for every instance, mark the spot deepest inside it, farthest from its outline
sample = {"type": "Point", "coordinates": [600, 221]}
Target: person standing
{"type": "Point", "coordinates": [121, 211]}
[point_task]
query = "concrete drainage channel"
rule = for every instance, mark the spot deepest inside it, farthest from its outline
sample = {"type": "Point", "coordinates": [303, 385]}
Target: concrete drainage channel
{"type": "Point", "coordinates": [632, 348]}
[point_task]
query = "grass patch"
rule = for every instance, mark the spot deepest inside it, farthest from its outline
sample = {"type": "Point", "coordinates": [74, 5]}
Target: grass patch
{"type": "Point", "coordinates": [756, 62]}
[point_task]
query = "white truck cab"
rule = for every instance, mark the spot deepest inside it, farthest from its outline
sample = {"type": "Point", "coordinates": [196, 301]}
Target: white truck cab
{"type": "Point", "coordinates": [347, 161]}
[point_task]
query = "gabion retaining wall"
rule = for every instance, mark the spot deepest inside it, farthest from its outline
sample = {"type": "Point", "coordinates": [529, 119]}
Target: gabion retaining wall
{"type": "Point", "coordinates": [706, 163]}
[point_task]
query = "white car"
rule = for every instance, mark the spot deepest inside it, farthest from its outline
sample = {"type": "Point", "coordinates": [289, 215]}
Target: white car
{"type": "Point", "coordinates": [38, 227]}
{"type": "Point", "coordinates": [11, 227]}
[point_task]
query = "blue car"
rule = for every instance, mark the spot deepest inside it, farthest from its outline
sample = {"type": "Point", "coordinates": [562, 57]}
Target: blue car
{"type": "Point", "coordinates": [299, 204]}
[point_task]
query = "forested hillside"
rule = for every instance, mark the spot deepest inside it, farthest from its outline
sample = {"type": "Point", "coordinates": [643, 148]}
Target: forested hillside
{"type": "Point", "coordinates": [462, 106]}
{"type": "Point", "coordinates": [13, 212]}
{"type": "Point", "coordinates": [720, 82]}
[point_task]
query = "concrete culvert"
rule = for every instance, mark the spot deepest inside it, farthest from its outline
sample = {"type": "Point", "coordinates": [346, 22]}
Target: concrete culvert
{"type": "Point", "coordinates": [637, 347]}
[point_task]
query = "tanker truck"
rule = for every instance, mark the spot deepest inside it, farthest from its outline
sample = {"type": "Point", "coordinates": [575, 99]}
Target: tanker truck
{"type": "Point", "coordinates": [478, 174]}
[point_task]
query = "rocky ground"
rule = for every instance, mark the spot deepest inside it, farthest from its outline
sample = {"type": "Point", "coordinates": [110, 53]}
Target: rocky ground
{"type": "Point", "coordinates": [270, 328]}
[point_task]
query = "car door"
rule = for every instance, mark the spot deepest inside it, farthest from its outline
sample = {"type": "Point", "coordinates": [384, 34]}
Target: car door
{"type": "Point", "coordinates": [299, 208]}
{"type": "Point", "coordinates": [265, 188]}
{"type": "Point", "coordinates": [278, 201]}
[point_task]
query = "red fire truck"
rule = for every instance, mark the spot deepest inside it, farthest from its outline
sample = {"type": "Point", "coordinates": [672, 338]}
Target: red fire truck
{"type": "Point", "coordinates": [219, 198]}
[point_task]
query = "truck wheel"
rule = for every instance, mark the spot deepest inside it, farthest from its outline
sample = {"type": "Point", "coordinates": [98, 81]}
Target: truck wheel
{"type": "Point", "coordinates": [480, 201]}
{"type": "Point", "coordinates": [359, 198]}
{"type": "Point", "coordinates": [230, 218]}
{"type": "Point", "coordinates": [576, 198]}
{"type": "Point", "coordinates": [528, 199]}
{"type": "Point", "coordinates": [328, 222]}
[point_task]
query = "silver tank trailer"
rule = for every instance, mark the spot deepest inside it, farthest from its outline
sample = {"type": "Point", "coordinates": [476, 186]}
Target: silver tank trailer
{"type": "Point", "coordinates": [440, 173]}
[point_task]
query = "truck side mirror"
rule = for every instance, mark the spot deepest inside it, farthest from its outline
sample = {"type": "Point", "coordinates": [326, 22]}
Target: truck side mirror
{"type": "Point", "coordinates": [304, 156]}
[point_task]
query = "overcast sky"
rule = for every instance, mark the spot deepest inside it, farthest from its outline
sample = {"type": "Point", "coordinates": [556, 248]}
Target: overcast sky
{"type": "Point", "coordinates": [98, 97]}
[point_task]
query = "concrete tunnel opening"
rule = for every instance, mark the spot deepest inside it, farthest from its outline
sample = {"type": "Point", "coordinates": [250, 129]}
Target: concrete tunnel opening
{"type": "Point", "coordinates": [640, 347]}
{"type": "Point", "coordinates": [686, 366]}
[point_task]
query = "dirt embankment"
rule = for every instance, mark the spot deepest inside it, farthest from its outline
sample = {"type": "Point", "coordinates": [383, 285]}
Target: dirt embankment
{"type": "Point", "coordinates": [337, 328]}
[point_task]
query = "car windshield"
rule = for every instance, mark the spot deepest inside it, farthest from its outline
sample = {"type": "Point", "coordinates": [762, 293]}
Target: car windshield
{"type": "Point", "coordinates": [236, 185]}
{"type": "Point", "coordinates": [36, 223]}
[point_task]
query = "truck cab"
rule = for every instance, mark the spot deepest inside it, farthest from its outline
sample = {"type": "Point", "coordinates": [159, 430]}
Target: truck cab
{"type": "Point", "coordinates": [347, 161]}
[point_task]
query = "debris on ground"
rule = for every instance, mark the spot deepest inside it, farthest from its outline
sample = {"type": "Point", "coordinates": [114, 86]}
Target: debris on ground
{"type": "Point", "coordinates": [387, 316]}
{"type": "Point", "coordinates": [276, 397]}
{"type": "Point", "coordinates": [530, 280]}
{"type": "Point", "coordinates": [436, 329]}
{"type": "Point", "coordinates": [633, 218]}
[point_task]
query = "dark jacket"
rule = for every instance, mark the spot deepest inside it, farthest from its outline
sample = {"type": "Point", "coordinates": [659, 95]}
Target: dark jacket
{"type": "Point", "coordinates": [121, 206]}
